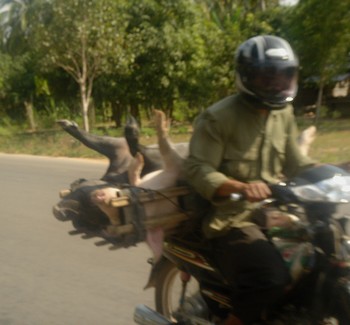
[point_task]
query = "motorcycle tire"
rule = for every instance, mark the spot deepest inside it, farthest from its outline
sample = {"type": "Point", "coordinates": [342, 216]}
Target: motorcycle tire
{"type": "Point", "coordinates": [167, 287]}
{"type": "Point", "coordinates": [342, 303]}
{"type": "Point", "coordinates": [165, 277]}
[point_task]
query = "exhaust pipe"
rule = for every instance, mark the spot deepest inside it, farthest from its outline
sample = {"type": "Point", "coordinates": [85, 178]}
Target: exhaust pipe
{"type": "Point", "coordinates": [144, 315]}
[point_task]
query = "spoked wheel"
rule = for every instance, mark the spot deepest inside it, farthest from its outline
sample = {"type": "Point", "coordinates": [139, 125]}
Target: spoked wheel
{"type": "Point", "coordinates": [168, 292]}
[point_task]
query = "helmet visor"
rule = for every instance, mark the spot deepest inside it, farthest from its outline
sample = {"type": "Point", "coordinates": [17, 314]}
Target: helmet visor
{"type": "Point", "coordinates": [275, 86]}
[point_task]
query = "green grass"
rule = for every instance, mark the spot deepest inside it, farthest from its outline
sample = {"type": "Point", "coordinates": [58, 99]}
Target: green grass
{"type": "Point", "coordinates": [332, 144]}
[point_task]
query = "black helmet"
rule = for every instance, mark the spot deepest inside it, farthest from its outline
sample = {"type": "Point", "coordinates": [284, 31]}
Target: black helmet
{"type": "Point", "coordinates": [267, 69]}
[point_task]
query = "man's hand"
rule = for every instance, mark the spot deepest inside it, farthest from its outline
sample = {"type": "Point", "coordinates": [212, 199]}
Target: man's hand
{"type": "Point", "coordinates": [255, 192]}
{"type": "Point", "coordinates": [252, 192]}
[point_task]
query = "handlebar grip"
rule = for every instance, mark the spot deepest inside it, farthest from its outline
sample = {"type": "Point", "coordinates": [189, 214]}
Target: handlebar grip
{"type": "Point", "coordinates": [235, 197]}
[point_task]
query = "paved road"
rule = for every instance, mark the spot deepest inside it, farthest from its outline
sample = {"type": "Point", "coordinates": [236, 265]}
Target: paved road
{"type": "Point", "coordinates": [48, 277]}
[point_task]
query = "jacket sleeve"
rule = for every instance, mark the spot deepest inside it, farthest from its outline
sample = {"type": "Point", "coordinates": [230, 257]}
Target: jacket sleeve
{"type": "Point", "coordinates": [205, 156]}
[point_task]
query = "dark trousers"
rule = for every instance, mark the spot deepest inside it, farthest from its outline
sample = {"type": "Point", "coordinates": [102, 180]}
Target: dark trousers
{"type": "Point", "coordinates": [255, 270]}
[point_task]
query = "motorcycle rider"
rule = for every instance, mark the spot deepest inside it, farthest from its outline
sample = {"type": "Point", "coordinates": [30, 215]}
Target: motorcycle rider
{"type": "Point", "coordinates": [239, 145]}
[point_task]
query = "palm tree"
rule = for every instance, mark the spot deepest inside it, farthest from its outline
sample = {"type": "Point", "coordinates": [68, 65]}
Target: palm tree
{"type": "Point", "coordinates": [14, 32]}
{"type": "Point", "coordinates": [14, 24]}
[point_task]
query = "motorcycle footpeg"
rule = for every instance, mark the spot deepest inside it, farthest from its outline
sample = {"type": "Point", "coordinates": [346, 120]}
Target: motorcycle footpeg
{"type": "Point", "coordinates": [144, 315]}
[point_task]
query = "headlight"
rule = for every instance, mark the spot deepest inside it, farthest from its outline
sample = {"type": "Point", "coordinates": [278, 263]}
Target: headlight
{"type": "Point", "coordinates": [335, 190]}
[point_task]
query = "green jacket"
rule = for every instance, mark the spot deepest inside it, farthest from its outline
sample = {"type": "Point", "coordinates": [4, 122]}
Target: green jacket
{"type": "Point", "coordinates": [232, 139]}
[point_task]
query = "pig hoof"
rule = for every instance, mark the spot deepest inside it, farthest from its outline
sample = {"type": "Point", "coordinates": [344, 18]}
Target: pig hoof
{"type": "Point", "coordinates": [65, 124]}
{"type": "Point", "coordinates": [161, 122]}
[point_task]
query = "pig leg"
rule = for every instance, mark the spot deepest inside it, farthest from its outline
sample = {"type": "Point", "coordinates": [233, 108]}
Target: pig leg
{"type": "Point", "coordinates": [132, 135]}
{"type": "Point", "coordinates": [306, 138]}
{"type": "Point", "coordinates": [105, 145]}
{"type": "Point", "coordinates": [172, 167]}
{"type": "Point", "coordinates": [168, 176]}
{"type": "Point", "coordinates": [135, 169]}
{"type": "Point", "coordinates": [115, 149]}
{"type": "Point", "coordinates": [154, 239]}
{"type": "Point", "coordinates": [151, 156]}
{"type": "Point", "coordinates": [172, 160]}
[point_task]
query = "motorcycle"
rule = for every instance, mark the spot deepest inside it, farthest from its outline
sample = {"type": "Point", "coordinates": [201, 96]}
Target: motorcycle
{"type": "Point", "coordinates": [190, 290]}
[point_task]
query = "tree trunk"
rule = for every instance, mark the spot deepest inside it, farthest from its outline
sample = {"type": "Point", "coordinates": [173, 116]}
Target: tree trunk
{"type": "Point", "coordinates": [262, 5]}
{"type": "Point", "coordinates": [117, 113]}
{"type": "Point", "coordinates": [170, 109]}
{"type": "Point", "coordinates": [30, 114]}
{"type": "Point", "coordinates": [134, 111]}
{"type": "Point", "coordinates": [319, 101]}
{"type": "Point", "coordinates": [92, 113]}
{"type": "Point", "coordinates": [84, 106]}
{"type": "Point", "coordinates": [148, 111]}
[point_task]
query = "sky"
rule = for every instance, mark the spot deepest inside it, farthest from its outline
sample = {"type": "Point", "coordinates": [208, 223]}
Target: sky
{"type": "Point", "coordinates": [289, 2]}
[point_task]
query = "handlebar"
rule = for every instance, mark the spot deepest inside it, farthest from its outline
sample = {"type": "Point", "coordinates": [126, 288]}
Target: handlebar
{"type": "Point", "coordinates": [279, 191]}
{"type": "Point", "coordinates": [235, 197]}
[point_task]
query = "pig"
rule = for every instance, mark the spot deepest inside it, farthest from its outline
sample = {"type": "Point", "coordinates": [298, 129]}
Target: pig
{"type": "Point", "coordinates": [77, 205]}
{"type": "Point", "coordinates": [120, 150]}
{"type": "Point", "coordinates": [167, 177]}
{"type": "Point", "coordinates": [115, 149]}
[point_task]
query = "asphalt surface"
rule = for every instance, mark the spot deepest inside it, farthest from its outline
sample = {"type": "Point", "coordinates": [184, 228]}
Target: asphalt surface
{"type": "Point", "coordinates": [48, 276]}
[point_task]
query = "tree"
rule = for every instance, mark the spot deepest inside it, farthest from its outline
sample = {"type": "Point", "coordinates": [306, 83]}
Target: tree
{"type": "Point", "coordinates": [84, 39]}
{"type": "Point", "coordinates": [5, 68]}
{"type": "Point", "coordinates": [168, 39]}
{"type": "Point", "coordinates": [236, 20]}
{"type": "Point", "coordinates": [15, 25]}
{"type": "Point", "coordinates": [320, 32]}
{"type": "Point", "coordinates": [164, 40]}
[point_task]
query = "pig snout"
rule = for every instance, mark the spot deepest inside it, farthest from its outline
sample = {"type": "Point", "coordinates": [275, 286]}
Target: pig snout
{"type": "Point", "coordinates": [103, 196]}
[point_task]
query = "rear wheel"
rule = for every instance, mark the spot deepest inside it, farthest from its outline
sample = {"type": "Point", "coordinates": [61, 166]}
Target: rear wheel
{"type": "Point", "coordinates": [168, 293]}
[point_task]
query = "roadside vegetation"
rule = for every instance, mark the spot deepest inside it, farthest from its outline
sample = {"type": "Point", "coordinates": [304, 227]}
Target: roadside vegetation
{"type": "Point", "coordinates": [96, 61]}
{"type": "Point", "coordinates": [332, 144]}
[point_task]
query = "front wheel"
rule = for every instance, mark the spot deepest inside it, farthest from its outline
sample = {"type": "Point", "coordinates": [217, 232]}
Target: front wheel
{"type": "Point", "coordinates": [341, 302]}
{"type": "Point", "coordinates": [172, 298]}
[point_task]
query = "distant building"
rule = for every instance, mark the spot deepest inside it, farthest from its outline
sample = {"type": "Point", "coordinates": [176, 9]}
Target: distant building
{"type": "Point", "coordinates": [336, 96]}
